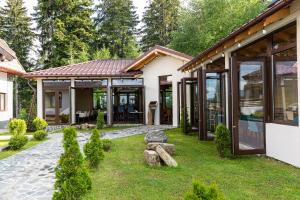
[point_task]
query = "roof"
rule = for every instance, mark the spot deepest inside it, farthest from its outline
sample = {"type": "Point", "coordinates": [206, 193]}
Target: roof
{"type": "Point", "coordinates": [95, 68]}
{"type": "Point", "coordinates": [9, 62]}
{"type": "Point", "coordinates": [153, 53]}
{"type": "Point", "coordinates": [275, 12]}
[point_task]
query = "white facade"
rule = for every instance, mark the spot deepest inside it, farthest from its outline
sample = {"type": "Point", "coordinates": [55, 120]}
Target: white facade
{"type": "Point", "coordinates": [6, 87]}
{"type": "Point", "coordinates": [162, 66]}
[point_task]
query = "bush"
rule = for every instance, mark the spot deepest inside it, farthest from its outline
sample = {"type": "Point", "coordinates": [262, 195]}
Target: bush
{"type": "Point", "coordinates": [100, 120]}
{"type": "Point", "coordinates": [106, 144]}
{"type": "Point", "coordinates": [40, 124]}
{"type": "Point", "coordinates": [17, 127]}
{"type": "Point", "coordinates": [72, 178]}
{"type": "Point", "coordinates": [201, 191]}
{"type": "Point", "coordinates": [16, 142]}
{"type": "Point", "coordinates": [93, 150]}
{"type": "Point", "coordinates": [40, 135]}
{"type": "Point", "coordinates": [223, 140]}
{"type": "Point", "coordinates": [23, 114]}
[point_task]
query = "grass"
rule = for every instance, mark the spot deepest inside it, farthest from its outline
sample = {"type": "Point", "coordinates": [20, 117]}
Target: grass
{"type": "Point", "coordinates": [124, 175]}
{"type": "Point", "coordinates": [5, 154]}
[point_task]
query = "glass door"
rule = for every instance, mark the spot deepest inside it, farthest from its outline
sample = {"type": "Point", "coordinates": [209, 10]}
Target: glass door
{"type": "Point", "coordinates": [215, 98]}
{"type": "Point", "coordinates": [248, 106]}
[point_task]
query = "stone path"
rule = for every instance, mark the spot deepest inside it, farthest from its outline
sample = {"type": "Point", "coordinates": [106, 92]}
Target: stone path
{"type": "Point", "coordinates": [29, 175]}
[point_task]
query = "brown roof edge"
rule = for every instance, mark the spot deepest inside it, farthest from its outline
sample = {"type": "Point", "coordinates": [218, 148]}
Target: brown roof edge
{"type": "Point", "coordinates": [271, 10]}
{"type": "Point", "coordinates": [161, 48]}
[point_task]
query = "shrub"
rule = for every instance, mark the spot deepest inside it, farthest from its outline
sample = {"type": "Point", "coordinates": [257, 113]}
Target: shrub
{"type": "Point", "coordinates": [40, 124]}
{"type": "Point", "coordinates": [201, 191]}
{"type": "Point", "coordinates": [17, 127]}
{"type": "Point", "coordinates": [16, 142]}
{"type": "Point", "coordinates": [223, 140]}
{"type": "Point", "coordinates": [106, 144]}
{"type": "Point", "coordinates": [40, 135]}
{"type": "Point", "coordinates": [100, 120]}
{"type": "Point", "coordinates": [72, 178]}
{"type": "Point", "coordinates": [23, 114]}
{"type": "Point", "coordinates": [93, 150]}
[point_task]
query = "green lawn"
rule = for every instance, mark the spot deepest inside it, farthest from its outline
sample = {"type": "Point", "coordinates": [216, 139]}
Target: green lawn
{"type": "Point", "coordinates": [124, 175]}
{"type": "Point", "coordinates": [5, 154]}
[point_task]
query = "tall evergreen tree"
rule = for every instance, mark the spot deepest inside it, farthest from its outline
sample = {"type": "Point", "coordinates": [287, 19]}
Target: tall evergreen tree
{"type": "Point", "coordinates": [66, 31]}
{"type": "Point", "coordinates": [44, 17]}
{"type": "Point", "coordinates": [16, 31]}
{"type": "Point", "coordinates": [161, 20]}
{"type": "Point", "coordinates": [116, 27]}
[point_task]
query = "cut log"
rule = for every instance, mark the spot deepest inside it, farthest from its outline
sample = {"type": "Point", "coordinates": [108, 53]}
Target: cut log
{"type": "Point", "coordinates": [165, 157]}
{"type": "Point", "coordinates": [170, 148]}
{"type": "Point", "coordinates": [152, 158]}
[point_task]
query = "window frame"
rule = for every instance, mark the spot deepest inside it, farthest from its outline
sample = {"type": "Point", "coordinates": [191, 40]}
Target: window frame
{"type": "Point", "coordinates": [4, 94]}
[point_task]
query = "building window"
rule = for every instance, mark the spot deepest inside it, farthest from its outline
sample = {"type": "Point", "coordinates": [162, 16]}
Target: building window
{"type": "Point", "coordinates": [286, 88]}
{"type": "Point", "coordinates": [2, 101]}
{"type": "Point", "coordinates": [285, 85]}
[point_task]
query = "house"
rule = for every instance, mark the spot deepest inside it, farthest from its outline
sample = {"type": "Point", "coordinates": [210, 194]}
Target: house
{"type": "Point", "coordinates": [9, 67]}
{"type": "Point", "coordinates": [250, 81]}
{"type": "Point", "coordinates": [122, 89]}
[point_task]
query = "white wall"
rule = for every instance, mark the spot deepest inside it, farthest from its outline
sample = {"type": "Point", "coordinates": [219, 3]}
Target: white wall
{"type": "Point", "coordinates": [282, 141]}
{"type": "Point", "coordinates": [162, 66]}
{"type": "Point", "coordinates": [6, 87]}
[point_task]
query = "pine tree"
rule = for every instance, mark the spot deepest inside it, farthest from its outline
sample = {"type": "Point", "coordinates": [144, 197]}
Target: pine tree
{"type": "Point", "coordinates": [116, 27]}
{"type": "Point", "coordinates": [16, 31]}
{"type": "Point", "coordinates": [66, 31]}
{"type": "Point", "coordinates": [44, 17]}
{"type": "Point", "coordinates": [161, 20]}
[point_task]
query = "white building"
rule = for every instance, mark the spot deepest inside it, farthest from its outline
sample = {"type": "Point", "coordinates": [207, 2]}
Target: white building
{"type": "Point", "coordinates": [9, 67]}
{"type": "Point", "coordinates": [121, 88]}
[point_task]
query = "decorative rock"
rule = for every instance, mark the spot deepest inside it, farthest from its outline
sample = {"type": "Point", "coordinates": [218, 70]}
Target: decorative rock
{"type": "Point", "coordinates": [170, 148]}
{"type": "Point", "coordinates": [152, 158]}
{"type": "Point", "coordinates": [166, 157]}
{"type": "Point", "coordinates": [156, 136]}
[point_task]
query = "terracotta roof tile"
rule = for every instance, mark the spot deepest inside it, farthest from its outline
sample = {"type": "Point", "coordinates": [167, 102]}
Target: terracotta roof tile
{"type": "Point", "coordinates": [95, 68]}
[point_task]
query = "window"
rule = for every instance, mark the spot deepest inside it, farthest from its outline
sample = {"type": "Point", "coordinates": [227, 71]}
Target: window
{"type": "Point", "coordinates": [137, 81]}
{"type": "Point", "coordinates": [2, 102]}
{"type": "Point", "coordinates": [285, 88]}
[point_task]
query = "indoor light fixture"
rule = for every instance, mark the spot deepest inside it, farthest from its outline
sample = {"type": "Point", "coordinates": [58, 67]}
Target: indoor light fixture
{"type": "Point", "coordinates": [239, 45]}
{"type": "Point", "coordinates": [223, 55]}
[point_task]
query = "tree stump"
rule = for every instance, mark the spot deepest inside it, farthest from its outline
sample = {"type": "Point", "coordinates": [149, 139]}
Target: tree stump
{"type": "Point", "coordinates": [165, 157]}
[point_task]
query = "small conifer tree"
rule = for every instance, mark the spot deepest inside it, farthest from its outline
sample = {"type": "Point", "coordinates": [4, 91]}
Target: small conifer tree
{"type": "Point", "coordinates": [93, 150]}
{"type": "Point", "coordinates": [72, 178]}
{"type": "Point", "coordinates": [100, 120]}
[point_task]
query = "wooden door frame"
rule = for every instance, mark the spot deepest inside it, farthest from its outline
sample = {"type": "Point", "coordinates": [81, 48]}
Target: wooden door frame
{"type": "Point", "coordinates": [235, 68]}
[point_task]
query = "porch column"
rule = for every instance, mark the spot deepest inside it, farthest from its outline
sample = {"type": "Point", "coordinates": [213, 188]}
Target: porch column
{"type": "Point", "coordinates": [39, 97]}
{"type": "Point", "coordinates": [227, 89]}
{"type": "Point", "coordinates": [73, 104]}
{"type": "Point", "coordinates": [109, 103]}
